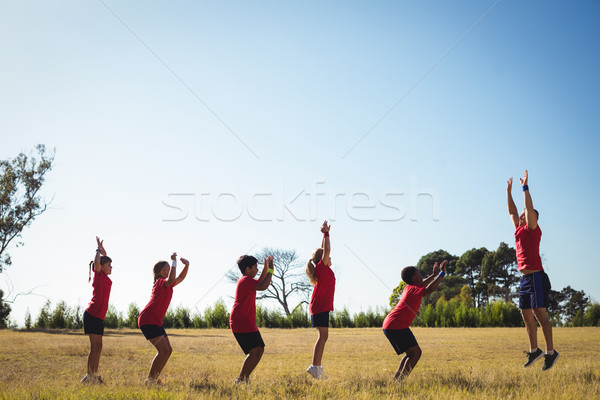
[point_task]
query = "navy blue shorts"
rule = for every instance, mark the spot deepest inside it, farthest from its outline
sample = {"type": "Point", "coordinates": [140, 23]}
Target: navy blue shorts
{"type": "Point", "coordinates": [401, 339]}
{"type": "Point", "coordinates": [249, 340]}
{"type": "Point", "coordinates": [151, 331]}
{"type": "Point", "coordinates": [320, 320]}
{"type": "Point", "coordinates": [92, 325]}
{"type": "Point", "coordinates": [534, 290]}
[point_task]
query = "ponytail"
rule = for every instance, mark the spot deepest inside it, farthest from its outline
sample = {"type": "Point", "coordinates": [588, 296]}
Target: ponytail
{"type": "Point", "coordinates": [90, 272]}
{"type": "Point", "coordinates": [312, 263]}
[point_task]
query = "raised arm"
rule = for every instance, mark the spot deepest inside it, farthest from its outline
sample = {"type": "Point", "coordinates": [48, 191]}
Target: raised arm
{"type": "Point", "coordinates": [512, 208]}
{"type": "Point", "coordinates": [437, 279]}
{"type": "Point", "coordinates": [173, 272]}
{"type": "Point", "coordinates": [325, 243]}
{"type": "Point", "coordinates": [265, 276]}
{"type": "Point", "coordinates": [530, 214]}
{"type": "Point", "coordinates": [431, 277]}
{"type": "Point", "coordinates": [183, 273]}
{"type": "Point", "coordinates": [99, 252]}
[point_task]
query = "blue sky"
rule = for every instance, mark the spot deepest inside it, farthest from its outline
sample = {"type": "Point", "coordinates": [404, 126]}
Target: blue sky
{"type": "Point", "coordinates": [242, 107]}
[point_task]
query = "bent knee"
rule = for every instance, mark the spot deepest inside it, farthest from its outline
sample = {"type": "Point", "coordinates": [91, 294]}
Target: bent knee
{"type": "Point", "coordinates": [257, 351]}
{"type": "Point", "coordinates": [414, 352]}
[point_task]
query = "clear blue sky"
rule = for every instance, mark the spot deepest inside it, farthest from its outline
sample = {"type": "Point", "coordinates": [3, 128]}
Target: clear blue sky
{"type": "Point", "coordinates": [254, 104]}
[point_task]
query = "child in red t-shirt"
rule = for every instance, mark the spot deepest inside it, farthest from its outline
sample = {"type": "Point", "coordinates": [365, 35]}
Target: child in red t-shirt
{"type": "Point", "coordinates": [243, 315]}
{"type": "Point", "coordinates": [320, 274]}
{"type": "Point", "coordinates": [396, 324]}
{"type": "Point", "coordinates": [93, 317]}
{"type": "Point", "coordinates": [151, 318]}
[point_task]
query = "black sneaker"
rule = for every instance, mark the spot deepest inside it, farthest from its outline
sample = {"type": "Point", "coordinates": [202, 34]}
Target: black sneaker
{"type": "Point", "coordinates": [549, 361]}
{"type": "Point", "coordinates": [532, 357]}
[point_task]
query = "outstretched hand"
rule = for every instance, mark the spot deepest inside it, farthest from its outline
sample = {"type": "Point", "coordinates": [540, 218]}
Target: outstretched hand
{"type": "Point", "coordinates": [435, 268]}
{"type": "Point", "coordinates": [184, 261]}
{"type": "Point", "coordinates": [509, 185]}
{"type": "Point", "coordinates": [174, 256]}
{"type": "Point", "coordinates": [100, 244]}
{"type": "Point", "coordinates": [524, 179]}
{"type": "Point", "coordinates": [444, 265]}
{"type": "Point", "coordinates": [269, 262]}
{"type": "Point", "coordinates": [325, 227]}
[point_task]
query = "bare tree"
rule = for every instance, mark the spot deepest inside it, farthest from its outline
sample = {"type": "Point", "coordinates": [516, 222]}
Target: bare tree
{"type": "Point", "coordinates": [289, 278]}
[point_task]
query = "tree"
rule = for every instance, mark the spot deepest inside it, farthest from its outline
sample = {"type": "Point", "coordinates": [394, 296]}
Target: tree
{"type": "Point", "coordinates": [20, 181]}
{"type": "Point", "coordinates": [469, 266]}
{"type": "Point", "coordinates": [499, 272]}
{"type": "Point", "coordinates": [4, 312]}
{"type": "Point", "coordinates": [289, 278]}
{"type": "Point", "coordinates": [451, 284]}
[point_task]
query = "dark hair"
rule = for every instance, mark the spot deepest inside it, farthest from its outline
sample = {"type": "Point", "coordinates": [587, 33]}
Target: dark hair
{"type": "Point", "coordinates": [537, 213]}
{"type": "Point", "coordinates": [157, 268]}
{"type": "Point", "coordinates": [246, 261]}
{"type": "Point", "coordinates": [317, 255]}
{"type": "Point", "coordinates": [407, 274]}
{"type": "Point", "coordinates": [103, 260]}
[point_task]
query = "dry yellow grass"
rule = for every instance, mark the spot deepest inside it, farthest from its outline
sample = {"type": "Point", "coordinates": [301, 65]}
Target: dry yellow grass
{"type": "Point", "coordinates": [456, 364]}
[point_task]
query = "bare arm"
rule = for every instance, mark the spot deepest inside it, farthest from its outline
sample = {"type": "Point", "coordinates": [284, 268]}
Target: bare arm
{"type": "Point", "coordinates": [265, 276]}
{"type": "Point", "coordinates": [99, 252]}
{"type": "Point", "coordinates": [173, 272]}
{"type": "Point", "coordinates": [183, 273]}
{"type": "Point", "coordinates": [512, 208]}
{"type": "Point", "coordinates": [326, 244]}
{"type": "Point", "coordinates": [431, 277]}
{"type": "Point", "coordinates": [436, 280]}
{"type": "Point", "coordinates": [530, 215]}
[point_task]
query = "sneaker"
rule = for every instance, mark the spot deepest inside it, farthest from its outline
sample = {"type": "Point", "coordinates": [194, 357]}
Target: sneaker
{"type": "Point", "coordinates": [239, 381]}
{"type": "Point", "coordinates": [151, 381]}
{"type": "Point", "coordinates": [92, 379]}
{"type": "Point", "coordinates": [549, 361]}
{"type": "Point", "coordinates": [322, 373]}
{"type": "Point", "coordinates": [532, 357]}
{"type": "Point", "coordinates": [314, 371]}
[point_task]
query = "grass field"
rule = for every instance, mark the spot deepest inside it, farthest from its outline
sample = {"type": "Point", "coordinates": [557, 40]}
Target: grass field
{"type": "Point", "coordinates": [456, 363]}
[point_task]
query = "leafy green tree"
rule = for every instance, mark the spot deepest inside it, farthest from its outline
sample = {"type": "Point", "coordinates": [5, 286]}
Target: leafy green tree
{"type": "Point", "coordinates": [499, 273]}
{"type": "Point", "coordinates": [21, 178]}
{"type": "Point", "coordinates": [217, 316]}
{"type": "Point", "coordinates": [28, 320]}
{"type": "Point", "coordinates": [113, 318]}
{"type": "Point", "coordinates": [451, 283]}
{"type": "Point", "coordinates": [574, 301]}
{"type": "Point", "coordinates": [133, 312]}
{"type": "Point", "coordinates": [43, 320]}
{"type": "Point", "coordinates": [4, 312]}
{"type": "Point", "coordinates": [592, 315]}
{"type": "Point", "coordinates": [58, 318]}
{"type": "Point", "coordinates": [469, 266]}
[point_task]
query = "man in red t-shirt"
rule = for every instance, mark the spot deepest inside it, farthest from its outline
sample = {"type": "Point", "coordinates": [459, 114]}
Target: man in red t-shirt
{"type": "Point", "coordinates": [535, 284]}
{"type": "Point", "coordinates": [243, 315]}
{"type": "Point", "coordinates": [396, 324]}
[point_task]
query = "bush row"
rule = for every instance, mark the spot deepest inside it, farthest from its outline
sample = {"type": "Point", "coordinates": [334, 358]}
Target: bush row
{"type": "Point", "coordinates": [445, 313]}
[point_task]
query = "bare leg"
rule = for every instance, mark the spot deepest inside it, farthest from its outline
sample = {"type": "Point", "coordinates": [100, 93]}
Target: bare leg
{"type": "Point", "coordinates": [95, 351]}
{"type": "Point", "coordinates": [163, 346]}
{"type": "Point", "coordinates": [413, 354]}
{"type": "Point", "coordinates": [250, 362]}
{"type": "Point", "coordinates": [531, 327]}
{"type": "Point", "coordinates": [542, 317]}
{"type": "Point", "coordinates": [320, 345]}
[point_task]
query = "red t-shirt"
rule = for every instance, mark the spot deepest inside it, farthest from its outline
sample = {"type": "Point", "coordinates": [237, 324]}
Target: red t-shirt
{"type": "Point", "coordinates": [405, 312]}
{"type": "Point", "coordinates": [322, 295]}
{"type": "Point", "coordinates": [155, 310]}
{"type": "Point", "coordinates": [99, 303]}
{"type": "Point", "coordinates": [243, 314]}
{"type": "Point", "coordinates": [528, 248]}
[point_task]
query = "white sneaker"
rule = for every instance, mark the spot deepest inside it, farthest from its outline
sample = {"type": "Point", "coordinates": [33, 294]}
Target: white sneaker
{"type": "Point", "coordinates": [94, 378]}
{"type": "Point", "coordinates": [150, 381]}
{"type": "Point", "coordinates": [239, 381]}
{"type": "Point", "coordinates": [314, 371]}
{"type": "Point", "coordinates": [322, 373]}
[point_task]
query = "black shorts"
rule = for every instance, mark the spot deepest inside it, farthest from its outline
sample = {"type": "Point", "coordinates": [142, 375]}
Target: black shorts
{"type": "Point", "coordinates": [92, 325]}
{"type": "Point", "coordinates": [320, 319]}
{"type": "Point", "coordinates": [401, 339]}
{"type": "Point", "coordinates": [249, 340]}
{"type": "Point", "coordinates": [152, 331]}
{"type": "Point", "coordinates": [534, 291]}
